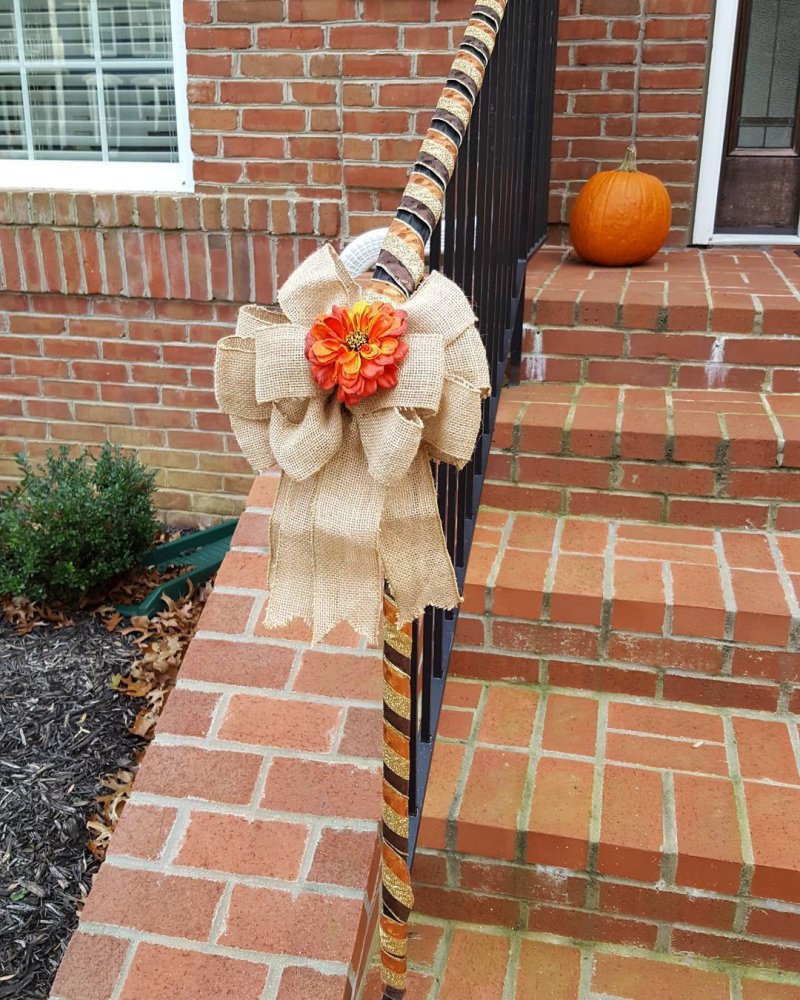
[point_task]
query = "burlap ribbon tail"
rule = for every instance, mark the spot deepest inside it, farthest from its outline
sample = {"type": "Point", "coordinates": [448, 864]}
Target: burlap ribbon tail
{"type": "Point", "coordinates": [356, 501]}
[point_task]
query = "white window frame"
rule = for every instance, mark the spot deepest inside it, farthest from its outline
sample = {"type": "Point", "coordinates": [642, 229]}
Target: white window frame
{"type": "Point", "coordinates": [723, 44]}
{"type": "Point", "coordinates": [122, 177]}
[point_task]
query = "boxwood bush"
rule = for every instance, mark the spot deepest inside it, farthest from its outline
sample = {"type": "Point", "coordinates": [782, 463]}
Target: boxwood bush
{"type": "Point", "coordinates": [73, 523]}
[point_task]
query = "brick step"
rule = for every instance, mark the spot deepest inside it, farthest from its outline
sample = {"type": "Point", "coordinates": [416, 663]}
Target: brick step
{"type": "Point", "coordinates": [688, 318]}
{"type": "Point", "coordinates": [451, 960]}
{"type": "Point", "coordinates": [682, 614]}
{"type": "Point", "coordinates": [605, 818]}
{"type": "Point", "coordinates": [698, 457]}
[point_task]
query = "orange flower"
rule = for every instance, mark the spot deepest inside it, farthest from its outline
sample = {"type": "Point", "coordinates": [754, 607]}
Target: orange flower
{"type": "Point", "coordinates": [358, 349]}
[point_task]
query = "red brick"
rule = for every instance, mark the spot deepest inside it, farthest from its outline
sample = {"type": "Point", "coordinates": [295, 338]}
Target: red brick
{"type": "Point", "coordinates": [336, 675]}
{"type": "Point", "coordinates": [508, 716]}
{"type": "Point", "coordinates": [735, 949]}
{"type": "Point", "coordinates": [698, 601]}
{"type": "Point", "coordinates": [765, 750]}
{"type": "Point", "coordinates": [100, 953]}
{"type": "Point", "coordinates": [670, 653]}
{"type": "Point", "coordinates": [758, 989]}
{"type": "Point", "coordinates": [762, 615]}
{"type": "Point", "coordinates": [300, 984]}
{"type": "Point", "coordinates": [709, 841]}
{"type": "Point", "coordinates": [188, 713]}
{"type": "Point", "coordinates": [593, 927]}
{"type": "Point", "coordinates": [654, 752]}
{"type": "Point", "coordinates": [276, 722]}
{"type": "Point", "coordinates": [487, 818]}
{"type": "Point", "coordinates": [570, 725]}
{"type": "Point", "coordinates": [321, 788]}
{"type": "Point", "coordinates": [152, 902]}
{"type": "Point", "coordinates": [558, 827]}
{"type": "Point", "coordinates": [639, 601]}
{"type": "Point", "coordinates": [622, 976]}
{"type": "Point", "coordinates": [247, 664]}
{"type": "Point", "coordinates": [774, 923]}
{"type": "Point", "coordinates": [467, 907]}
{"type": "Point", "coordinates": [226, 613]}
{"type": "Point", "coordinates": [280, 923]}
{"type": "Point", "coordinates": [632, 825]}
{"type": "Point", "coordinates": [476, 966]}
{"type": "Point", "coordinates": [662, 721]}
{"type": "Point", "coordinates": [723, 692]}
{"type": "Point", "coordinates": [577, 596]}
{"type": "Point", "coordinates": [267, 848]}
{"type": "Point", "coordinates": [445, 773]}
{"type": "Point", "coordinates": [142, 831]}
{"type": "Point", "coordinates": [548, 970]}
{"type": "Point", "coordinates": [161, 973]}
{"type": "Point", "coordinates": [345, 857]}
{"type": "Point", "coordinates": [773, 814]}
{"type": "Point", "coordinates": [362, 733]}
{"type": "Point", "coordinates": [667, 906]}
{"type": "Point", "coordinates": [192, 772]}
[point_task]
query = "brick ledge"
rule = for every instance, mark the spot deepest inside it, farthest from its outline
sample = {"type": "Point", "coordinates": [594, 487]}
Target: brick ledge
{"type": "Point", "coordinates": [247, 858]}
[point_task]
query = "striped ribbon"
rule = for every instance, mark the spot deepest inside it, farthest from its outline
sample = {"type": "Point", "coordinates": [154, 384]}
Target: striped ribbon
{"type": "Point", "coordinates": [400, 268]}
{"type": "Point", "coordinates": [401, 263]}
{"type": "Point", "coordinates": [398, 897]}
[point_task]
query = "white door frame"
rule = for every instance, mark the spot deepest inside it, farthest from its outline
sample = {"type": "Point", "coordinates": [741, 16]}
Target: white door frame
{"type": "Point", "coordinates": [723, 44]}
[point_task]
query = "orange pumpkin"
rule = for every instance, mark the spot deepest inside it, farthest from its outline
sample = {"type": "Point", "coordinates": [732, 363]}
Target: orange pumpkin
{"type": "Point", "coordinates": [621, 216]}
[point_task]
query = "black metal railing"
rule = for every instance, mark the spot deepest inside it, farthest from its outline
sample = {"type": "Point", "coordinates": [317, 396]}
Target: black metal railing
{"type": "Point", "coordinates": [495, 217]}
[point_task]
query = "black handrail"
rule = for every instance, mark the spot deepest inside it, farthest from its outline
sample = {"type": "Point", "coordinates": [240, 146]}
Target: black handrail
{"type": "Point", "coordinates": [495, 217]}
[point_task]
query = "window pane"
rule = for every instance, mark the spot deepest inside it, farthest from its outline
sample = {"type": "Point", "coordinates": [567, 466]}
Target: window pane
{"type": "Point", "coordinates": [140, 116]}
{"type": "Point", "coordinates": [769, 95]}
{"type": "Point", "coordinates": [64, 117]}
{"type": "Point", "coordinates": [117, 103]}
{"type": "Point", "coordinates": [57, 30]}
{"type": "Point", "coordinates": [8, 38]}
{"type": "Point", "coordinates": [134, 29]}
{"type": "Point", "coordinates": [12, 118]}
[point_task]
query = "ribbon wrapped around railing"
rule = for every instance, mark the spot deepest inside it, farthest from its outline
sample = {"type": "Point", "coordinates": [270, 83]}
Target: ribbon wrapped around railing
{"type": "Point", "coordinates": [356, 502]}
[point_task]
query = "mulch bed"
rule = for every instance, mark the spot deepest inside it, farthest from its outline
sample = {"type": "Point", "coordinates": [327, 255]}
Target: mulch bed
{"type": "Point", "coordinates": [79, 697]}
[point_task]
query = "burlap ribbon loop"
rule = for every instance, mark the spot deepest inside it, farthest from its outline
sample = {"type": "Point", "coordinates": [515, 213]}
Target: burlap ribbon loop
{"type": "Point", "coordinates": [356, 502]}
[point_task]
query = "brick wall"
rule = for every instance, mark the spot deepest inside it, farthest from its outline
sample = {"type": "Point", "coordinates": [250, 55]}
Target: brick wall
{"type": "Point", "coordinates": [305, 117]}
{"type": "Point", "coordinates": [630, 69]}
{"type": "Point", "coordinates": [303, 131]}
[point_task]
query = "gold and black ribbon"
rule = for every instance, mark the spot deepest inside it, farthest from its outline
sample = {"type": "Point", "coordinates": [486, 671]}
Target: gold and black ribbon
{"type": "Point", "coordinates": [398, 898]}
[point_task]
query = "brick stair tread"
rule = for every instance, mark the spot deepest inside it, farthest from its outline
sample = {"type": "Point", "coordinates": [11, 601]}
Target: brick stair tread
{"type": "Point", "coordinates": [451, 961]}
{"type": "Point", "coordinates": [716, 427]}
{"type": "Point", "coordinates": [660, 580]}
{"type": "Point", "coordinates": [673, 797]}
{"type": "Point", "coordinates": [678, 290]}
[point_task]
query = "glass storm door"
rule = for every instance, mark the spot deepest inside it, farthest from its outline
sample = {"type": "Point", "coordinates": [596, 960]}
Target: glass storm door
{"type": "Point", "coordinates": [760, 179]}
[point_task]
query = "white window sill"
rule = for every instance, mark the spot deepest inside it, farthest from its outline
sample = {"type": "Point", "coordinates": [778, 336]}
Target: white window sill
{"type": "Point", "coordinates": [83, 175]}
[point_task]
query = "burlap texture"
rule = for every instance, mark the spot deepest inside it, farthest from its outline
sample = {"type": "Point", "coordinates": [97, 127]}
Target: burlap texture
{"type": "Point", "coordinates": [356, 502]}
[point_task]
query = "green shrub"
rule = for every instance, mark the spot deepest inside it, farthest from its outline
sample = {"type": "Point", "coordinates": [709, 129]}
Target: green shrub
{"type": "Point", "coordinates": [73, 523]}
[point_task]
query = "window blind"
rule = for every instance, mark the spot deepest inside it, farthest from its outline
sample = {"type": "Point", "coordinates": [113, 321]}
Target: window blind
{"type": "Point", "coordinates": [87, 80]}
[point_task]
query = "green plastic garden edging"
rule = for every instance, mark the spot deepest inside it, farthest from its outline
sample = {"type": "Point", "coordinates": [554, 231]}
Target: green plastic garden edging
{"type": "Point", "coordinates": [203, 551]}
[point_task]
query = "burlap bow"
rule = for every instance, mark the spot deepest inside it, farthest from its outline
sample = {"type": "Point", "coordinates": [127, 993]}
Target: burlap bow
{"type": "Point", "coordinates": [356, 501]}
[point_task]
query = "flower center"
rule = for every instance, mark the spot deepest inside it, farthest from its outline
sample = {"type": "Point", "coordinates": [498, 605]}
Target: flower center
{"type": "Point", "coordinates": [356, 340]}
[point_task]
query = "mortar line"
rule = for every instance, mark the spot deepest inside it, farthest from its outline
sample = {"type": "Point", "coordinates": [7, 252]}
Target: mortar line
{"type": "Point", "coordinates": [219, 922]}
{"type": "Point", "coordinates": [788, 590]}
{"type": "Point", "coordinates": [776, 426]}
{"type": "Point", "coordinates": [512, 970]}
{"type": "Point", "coordinates": [726, 580]}
{"type": "Point", "coordinates": [740, 801]}
{"type": "Point", "coordinates": [669, 855]}
{"type": "Point", "coordinates": [530, 777]}
{"type": "Point", "coordinates": [124, 970]}
{"type": "Point", "coordinates": [597, 790]}
{"type": "Point", "coordinates": [550, 575]}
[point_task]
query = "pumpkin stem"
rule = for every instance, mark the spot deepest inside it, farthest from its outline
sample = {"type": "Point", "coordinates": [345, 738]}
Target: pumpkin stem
{"type": "Point", "coordinates": [629, 163]}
